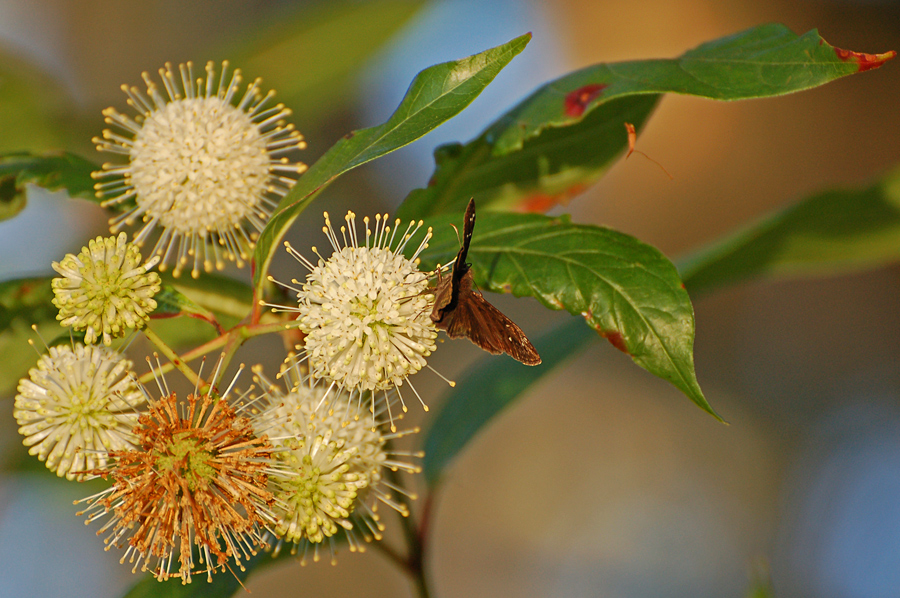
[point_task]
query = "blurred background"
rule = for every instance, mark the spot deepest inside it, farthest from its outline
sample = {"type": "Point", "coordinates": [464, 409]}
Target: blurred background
{"type": "Point", "coordinates": [603, 481]}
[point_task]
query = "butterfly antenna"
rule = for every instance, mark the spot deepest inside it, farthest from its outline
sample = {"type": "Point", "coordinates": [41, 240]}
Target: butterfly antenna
{"type": "Point", "coordinates": [458, 238]}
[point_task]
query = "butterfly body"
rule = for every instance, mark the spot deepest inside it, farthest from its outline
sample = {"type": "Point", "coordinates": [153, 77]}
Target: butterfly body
{"type": "Point", "coordinates": [462, 311]}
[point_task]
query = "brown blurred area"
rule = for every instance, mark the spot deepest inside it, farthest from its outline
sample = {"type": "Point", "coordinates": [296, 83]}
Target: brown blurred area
{"type": "Point", "coordinates": [603, 480]}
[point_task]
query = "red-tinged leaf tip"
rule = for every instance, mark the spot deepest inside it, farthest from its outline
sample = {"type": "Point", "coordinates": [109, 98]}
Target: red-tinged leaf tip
{"type": "Point", "coordinates": [866, 62]}
{"type": "Point", "coordinates": [577, 101]}
{"type": "Point", "coordinates": [616, 339]}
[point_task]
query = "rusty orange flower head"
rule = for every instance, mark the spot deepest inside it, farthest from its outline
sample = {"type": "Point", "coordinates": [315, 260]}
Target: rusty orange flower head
{"type": "Point", "coordinates": [194, 489]}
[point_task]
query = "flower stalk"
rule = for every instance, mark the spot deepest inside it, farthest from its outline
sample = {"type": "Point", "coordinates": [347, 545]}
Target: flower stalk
{"type": "Point", "coordinates": [172, 356]}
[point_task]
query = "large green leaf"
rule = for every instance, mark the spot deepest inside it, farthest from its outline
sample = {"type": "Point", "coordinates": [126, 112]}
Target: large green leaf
{"type": "Point", "coordinates": [330, 40]}
{"type": "Point", "coordinates": [436, 94]}
{"type": "Point", "coordinates": [549, 169]}
{"type": "Point", "coordinates": [562, 137]}
{"type": "Point", "coordinates": [487, 390]}
{"type": "Point", "coordinates": [830, 232]}
{"type": "Point", "coordinates": [764, 61]}
{"type": "Point", "coordinates": [61, 170]}
{"type": "Point", "coordinates": [626, 290]}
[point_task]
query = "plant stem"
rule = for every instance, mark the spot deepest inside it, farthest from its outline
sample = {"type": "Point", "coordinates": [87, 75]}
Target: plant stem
{"type": "Point", "coordinates": [259, 329]}
{"type": "Point", "coordinates": [235, 340]}
{"type": "Point", "coordinates": [392, 554]}
{"type": "Point", "coordinates": [171, 355]}
{"type": "Point", "coordinates": [243, 332]}
{"type": "Point", "coordinates": [415, 560]}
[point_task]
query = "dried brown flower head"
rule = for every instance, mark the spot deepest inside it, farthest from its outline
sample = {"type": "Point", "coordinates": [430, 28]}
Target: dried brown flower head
{"type": "Point", "coordinates": [197, 479]}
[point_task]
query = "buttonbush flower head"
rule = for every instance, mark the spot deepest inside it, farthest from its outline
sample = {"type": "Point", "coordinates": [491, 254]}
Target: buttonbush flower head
{"type": "Point", "coordinates": [104, 289]}
{"type": "Point", "coordinates": [365, 310]}
{"type": "Point", "coordinates": [205, 163]}
{"type": "Point", "coordinates": [76, 405]}
{"type": "Point", "coordinates": [195, 480]}
{"type": "Point", "coordinates": [329, 473]}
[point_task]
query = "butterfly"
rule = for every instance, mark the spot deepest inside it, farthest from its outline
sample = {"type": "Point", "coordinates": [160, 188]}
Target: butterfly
{"type": "Point", "coordinates": [461, 310]}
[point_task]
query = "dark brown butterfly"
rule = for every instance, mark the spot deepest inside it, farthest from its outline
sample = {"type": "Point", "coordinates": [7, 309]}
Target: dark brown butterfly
{"type": "Point", "coordinates": [462, 311]}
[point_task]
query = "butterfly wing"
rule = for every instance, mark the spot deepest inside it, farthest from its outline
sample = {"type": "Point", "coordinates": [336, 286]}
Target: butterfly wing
{"type": "Point", "coordinates": [460, 264]}
{"type": "Point", "coordinates": [462, 311]}
{"type": "Point", "coordinates": [487, 327]}
{"type": "Point", "coordinates": [446, 293]}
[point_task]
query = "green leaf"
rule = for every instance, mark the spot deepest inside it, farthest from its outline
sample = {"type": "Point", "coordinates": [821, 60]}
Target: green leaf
{"type": "Point", "coordinates": [223, 585]}
{"type": "Point", "coordinates": [219, 294]}
{"type": "Point", "coordinates": [170, 302]}
{"type": "Point", "coordinates": [764, 61]}
{"type": "Point", "coordinates": [549, 169]}
{"type": "Point", "coordinates": [23, 302]}
{"type": "Point", "coordinates": [436, 94]}
{"type": "Point", "coordinates": [51, 171]}
{"type": "Point", "coordinates": [627, 290]}
{"type": "Point", "coordinates": [829, 233]}
{"type": "Point", "coordinates": [330, 41]}
{"type": "Point", "coordinates": [12, 198]}
{"type": "Point", "coordinates": [26, 299]}
{"type": "Point", "coordinates": [563, 137]}
{"type": "Point", "coordinates": [493, 385]}
{"type": "Point", "coordinates": [212, 298]}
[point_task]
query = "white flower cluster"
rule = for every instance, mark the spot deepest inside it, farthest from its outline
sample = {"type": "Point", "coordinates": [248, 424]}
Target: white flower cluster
{"type": "Point", "coordinates": [203, 482]}
{"type": "Point", "coordinates": [206, 164]}
{"type": "Point", "coordinates": [365, 313]}
{"type": "Point", "coordinates": [365, 310]}
{"type": "Point", "coordinates": [76, 406]}
{"type": "Point", "coordinates": [104, 289]}
{"type": "Point", "coordinates": [329, 472]}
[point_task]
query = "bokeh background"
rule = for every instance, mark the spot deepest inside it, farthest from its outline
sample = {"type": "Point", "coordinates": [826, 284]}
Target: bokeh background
{"type": "Point", "coordinates": [603, 480]}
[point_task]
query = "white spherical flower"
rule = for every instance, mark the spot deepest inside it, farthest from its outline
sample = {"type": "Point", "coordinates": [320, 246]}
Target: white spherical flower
{"type": "Point", "coordinates": [329, 472]}
{"type": "Point", "coordinates": [205, 164]}
{"type": "Point", "coordinates": [104, 289]}
{"type": "Point", "coordinates": [76, 406]}
{"type": "Point", "coordinates": [365, 310]}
